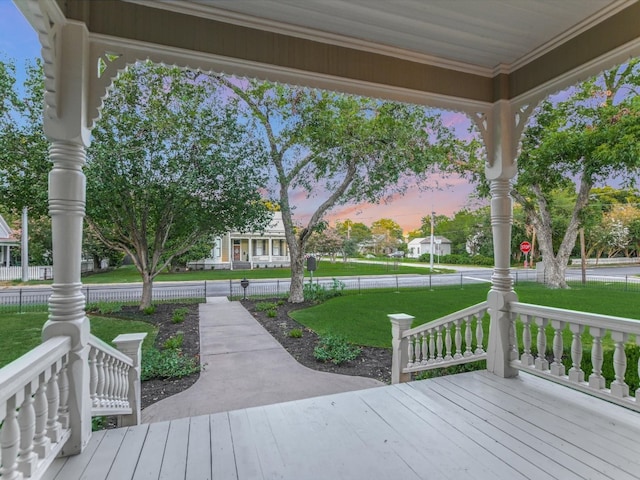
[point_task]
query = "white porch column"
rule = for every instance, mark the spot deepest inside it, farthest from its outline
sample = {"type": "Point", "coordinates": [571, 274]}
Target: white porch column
{"type": "Point", "coordinates": [65, 126]}
{"type": "Point", "coordinates": [501, 168]}
{"type": "Point", "coordinates": [270, 249]}
{"type": "Point", "coordinates": [250, 252]}
{"type": "Point", "coordinates": [230, 252]}
{"type": "Point", "coordinates": [7, 259]}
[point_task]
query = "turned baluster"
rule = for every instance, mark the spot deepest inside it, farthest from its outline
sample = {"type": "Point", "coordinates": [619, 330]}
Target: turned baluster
{"type": "Point", "coordinates": [124, 390]}
{"type": "Point", "coordinates": [27, 459]}
{"type": "Point", "coordinates": [439, 344]}
{"type": "Point", "coordinates": [425, 348]}
{"type": "Point", "coordinates": [93, 377]}
{"type": "Point", "coordinates": [619, 388]}
{"type": "Point", "coordinates": [541, 362]}
{"type": "Point", "coordinates": [112, 382]}
{"type": "Point", "coordinates": [513, 340]}
{"type": "Point", "coordinates": [526, 358]}
{"type": "Point", "coordinates": [447, 341]}
{"type": "Point", "coordinates": [41, 443]}
{"type": "Point", "coordinates": [596, 380]}
{"type": "Point", "coordinates": [63, 409]}
{"type": "Point", "coordinates": [54, 430]}
{"type": "Point", "coordinates": [9, 441]}
{"type": "Point", "coordinates": [432, 347]}
{"type": "Point", "coordinates": [118, 391]}
{"type": "Point", "coordinates": [102, 401]}
{"type": "Point", "coordinates": [411, 350]}
{"type": "Point", "coordinates": [479, 335]}
{"type": "Point", "coordinates": [108, 380]}
{"type": "Point", "coordinates": [468, 336]}
{"type": "Point", "coordinates": [557, 368]}
{"type": "Point", "coordinates": [458, 353]}
{"type": "Point", "coordinates": [575, 372]}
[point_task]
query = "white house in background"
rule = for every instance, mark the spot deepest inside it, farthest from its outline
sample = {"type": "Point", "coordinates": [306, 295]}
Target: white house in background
{"type": "Point", "coordinates": [7, 240]}
{"type": "Point", "coordinates": [419, 246]}
{"type": "Point", "coordinates": [242, 250]}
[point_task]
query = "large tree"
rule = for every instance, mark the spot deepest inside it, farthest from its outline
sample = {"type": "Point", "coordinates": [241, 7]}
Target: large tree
{"type": "Point", "coordinates": [572, 145]}
{"type": "Point", "coordinates": [24, 163]}
{"type": "Point", "coordinates": [336, 148]}
{"type": "Point", "coordinates": [168, 167]}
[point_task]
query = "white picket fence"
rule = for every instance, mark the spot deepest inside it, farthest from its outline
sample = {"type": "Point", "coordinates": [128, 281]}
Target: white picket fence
{"type": "Point", "coordinates": [8, 274]}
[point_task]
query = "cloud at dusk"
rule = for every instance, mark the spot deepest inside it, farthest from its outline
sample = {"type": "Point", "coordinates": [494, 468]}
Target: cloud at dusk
{"type": "Point", "coordinates": [406, 209]}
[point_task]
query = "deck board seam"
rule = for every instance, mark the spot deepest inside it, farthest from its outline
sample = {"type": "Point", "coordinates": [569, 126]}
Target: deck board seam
{"type": "Point", "coordinates": [528, 429]}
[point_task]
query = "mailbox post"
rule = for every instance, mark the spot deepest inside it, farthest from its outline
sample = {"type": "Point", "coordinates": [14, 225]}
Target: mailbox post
{"type": "Point", "coordinates": [311, 266]}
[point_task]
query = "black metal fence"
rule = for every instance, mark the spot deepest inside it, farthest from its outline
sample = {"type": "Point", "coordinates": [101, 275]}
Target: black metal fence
{"type": "Point", "coordinates": [34, 299]}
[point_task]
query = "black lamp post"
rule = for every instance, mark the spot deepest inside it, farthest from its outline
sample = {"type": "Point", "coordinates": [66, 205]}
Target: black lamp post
{"type": "Point", "coordinates": [244, 283]}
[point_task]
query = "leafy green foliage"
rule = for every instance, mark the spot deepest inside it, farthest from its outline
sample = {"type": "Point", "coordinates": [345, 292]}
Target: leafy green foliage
{"type": "Point", "coordinates": [168, 363]}
{"type": "Point", "coordinates": [295, 333]}
{"type": "Point", "coordinates": [335, 349]}
{"type": "Point", "coordinates": [574, 142]}
{"type": "Point", "coordinates": [150, 310]}
{"type": "Point", "coordinates": [342, 148]}
{"type": "Point", "coordinates": [179, 315]}
{"type": "Point", "coordinates": [178, 169]}
{"type": "Point", "coordinates": [24, 159]}
{"type": "Point", "coordinates": [174, 342]}
{"type": "Point", "coordinates": [105, 308]}
{"type": "Point", "coordinates": [265, 306]}
{"type": "Point", "coordinates": [457, 259]}
{"type": "Point", "coordinates": [315, 292]}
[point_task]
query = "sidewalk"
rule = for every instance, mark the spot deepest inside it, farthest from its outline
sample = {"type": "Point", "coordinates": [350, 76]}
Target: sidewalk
{"type": "Point", "coordinates": [245, 367]}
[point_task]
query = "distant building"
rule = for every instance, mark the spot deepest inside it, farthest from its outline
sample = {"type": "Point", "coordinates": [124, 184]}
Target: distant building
{"type": "Point", "coordinates": [237, 250]}
{"type": "Point", "coordinates": [420, 246]}
{"type": "Point", "coordinates": [7, 240]}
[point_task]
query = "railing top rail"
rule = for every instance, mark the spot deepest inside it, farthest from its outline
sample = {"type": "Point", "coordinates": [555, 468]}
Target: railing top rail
{"type": "Point", "coordinates": [608, 322]}
{"type": "Point", "coordinates": [17, 374]}
{"type": "Point", "coordinates": [472, 310]}
{"type": "Point", "coordinates": [105, 347]}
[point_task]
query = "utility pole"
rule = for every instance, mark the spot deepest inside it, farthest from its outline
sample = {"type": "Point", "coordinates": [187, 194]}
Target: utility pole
{"type": "Point", "coordinates": [433, 221]}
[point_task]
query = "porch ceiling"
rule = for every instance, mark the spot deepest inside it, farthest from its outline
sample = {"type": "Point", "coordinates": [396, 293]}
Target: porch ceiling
{"type": "Point", "coordinates": [467, 51]}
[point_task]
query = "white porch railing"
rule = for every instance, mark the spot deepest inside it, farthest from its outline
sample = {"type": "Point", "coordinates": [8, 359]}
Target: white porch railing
{"type": "Point", "coordinates": [583, 326]}
{"type": "Point", "coordinates": [437, 344]}
{"type": "Point", "coordinates": [34, 393]}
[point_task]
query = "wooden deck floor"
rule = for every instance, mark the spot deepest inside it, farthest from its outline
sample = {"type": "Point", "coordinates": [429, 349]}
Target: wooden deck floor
{"type": "Point", "coordinates": [472, 425]}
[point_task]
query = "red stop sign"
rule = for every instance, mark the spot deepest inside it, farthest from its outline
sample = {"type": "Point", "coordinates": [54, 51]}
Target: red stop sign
{"type": "Point", "coordinates": [525, 247]}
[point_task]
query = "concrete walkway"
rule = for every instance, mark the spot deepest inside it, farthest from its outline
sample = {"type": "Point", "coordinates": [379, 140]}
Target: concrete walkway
{"type": "Point", "coordinates": [245, 367]}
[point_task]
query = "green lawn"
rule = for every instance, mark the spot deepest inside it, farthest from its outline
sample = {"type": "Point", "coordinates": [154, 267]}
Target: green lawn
{"type": "Point", "coordinates": [19, 333]}
{"type": "Point", "coordinates": [129, 274]}
{"type": "Point", "coordinates": [362, 319]}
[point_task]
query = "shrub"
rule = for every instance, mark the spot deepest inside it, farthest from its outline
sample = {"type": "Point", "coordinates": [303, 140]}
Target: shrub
{"type": "Point", "coordinates": [167, 364]}
{"type": "Point", "coordinates": [295, 333]}
{"type": "Point", "coordinates": [174, 342]}
{"type": "Point", "coordinates": [335, 349]}
{"type": "Point", "coordinates": [105, 308]}
{"type": "Point", "coordinates": [150, 310]}
{"type": "Point", "coordinates": [265, 306]}
{"type": "Point", "coordinates": [314, 292]}
{"type": "Point", "coordinates": [179, 314]}
{"type": "Point", "coordinates": [272, 313]}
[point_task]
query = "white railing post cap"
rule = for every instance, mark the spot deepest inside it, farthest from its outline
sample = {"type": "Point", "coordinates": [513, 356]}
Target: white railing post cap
{"type": "Point", "coordinates": [401, 319]}
{"type": "Point", "coordinates": [128, 343]}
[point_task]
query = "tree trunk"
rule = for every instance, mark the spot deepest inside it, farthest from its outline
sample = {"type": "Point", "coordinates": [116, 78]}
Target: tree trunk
{"type": "Point", "coordinates": [296, 292]}
{"type": "Point", "coordinates": [147, 291]}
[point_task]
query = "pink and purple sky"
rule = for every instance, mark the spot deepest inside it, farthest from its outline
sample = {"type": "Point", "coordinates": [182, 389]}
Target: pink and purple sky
{"type": "Point", "coordinates": [19, 42]}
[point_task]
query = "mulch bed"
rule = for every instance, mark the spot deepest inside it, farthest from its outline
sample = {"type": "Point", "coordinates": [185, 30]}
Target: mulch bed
{"type": "Point", "coordinates": [372, 362]}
